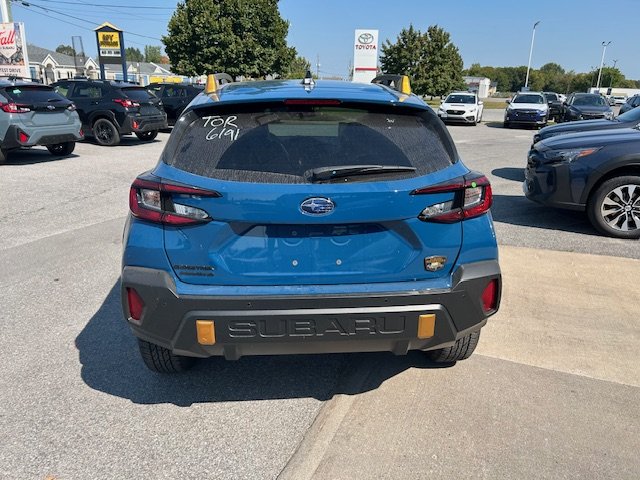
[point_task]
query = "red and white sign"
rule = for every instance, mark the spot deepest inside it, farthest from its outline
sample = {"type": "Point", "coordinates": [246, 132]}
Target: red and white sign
{"type": "Point", "coordinates": [365, 55]}
{"type": "Point", "coordinates": [14, 61]}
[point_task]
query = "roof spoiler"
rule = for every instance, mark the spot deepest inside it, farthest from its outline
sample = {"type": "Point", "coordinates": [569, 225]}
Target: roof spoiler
{"type": "Point", "coordinates": [214, 80]}
{"type": "Point", "coordinates": [399, 83]}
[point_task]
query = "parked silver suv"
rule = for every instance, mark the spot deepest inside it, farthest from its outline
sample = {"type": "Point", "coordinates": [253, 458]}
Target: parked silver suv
{"type": "Point", "coordinates": [34, 114]}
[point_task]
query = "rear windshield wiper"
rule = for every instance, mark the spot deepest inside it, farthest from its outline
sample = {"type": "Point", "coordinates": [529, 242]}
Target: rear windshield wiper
{"type": "Point", "coordinates": [328, 173]}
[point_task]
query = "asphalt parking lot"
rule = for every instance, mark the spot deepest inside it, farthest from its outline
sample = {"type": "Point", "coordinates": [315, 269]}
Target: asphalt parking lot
{"type": "Point", "coordinates": [552, 391]}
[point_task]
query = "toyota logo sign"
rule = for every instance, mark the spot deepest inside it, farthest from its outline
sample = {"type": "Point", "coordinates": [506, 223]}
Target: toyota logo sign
{"type": "Point", "coordinates": [365, 38]}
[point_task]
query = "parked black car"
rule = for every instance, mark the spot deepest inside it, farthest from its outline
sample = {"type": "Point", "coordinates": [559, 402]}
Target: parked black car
{"type": "Point", "coordinates": [586, 106]}
{"type": "Point", "coordinates": [630, 104]}
{"type": "Point", "coordinates": [110, 109]}
{"type": "Point", "coordinates": [595, 171]}
{"type": "Point", "coordinates": [175, 97]}
{"type": "Point", "coordinates": [555, 105]}
{"type": "Point", "coordinates": [631, 119]}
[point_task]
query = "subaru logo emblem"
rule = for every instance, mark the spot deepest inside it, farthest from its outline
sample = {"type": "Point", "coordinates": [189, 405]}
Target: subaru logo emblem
{"type": "Point", "coordinates": [50, 107]}
{"type": "Point", "coordinates": [365, 38]}
{"type": "Point", "coordinates": [317, 206]}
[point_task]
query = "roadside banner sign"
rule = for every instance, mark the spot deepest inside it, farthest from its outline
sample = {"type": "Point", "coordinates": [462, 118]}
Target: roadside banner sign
{"type": "Point", "coordinates": [14, 61]}
{"type": "Point", "coordinates": [110, 47]}
{"type": "Point", "coordinates": [365, 55]}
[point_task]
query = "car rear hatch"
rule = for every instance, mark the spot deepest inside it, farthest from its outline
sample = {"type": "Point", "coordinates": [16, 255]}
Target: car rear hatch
{"type": "Point", "coordinates": [37, 105]}
{"type": "Point", "coordinates": [148, 103]}
{"type": "Point", "coordinates": [306, 195]}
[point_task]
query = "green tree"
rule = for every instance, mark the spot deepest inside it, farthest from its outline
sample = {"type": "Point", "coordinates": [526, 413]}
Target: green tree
{"type": "Point", "coordinates": [430, 59]}
{"type": "Point", "coordinates": [152, 54]}
{"type": "Point", "coordinates": [298, 68]}
{"type": "Point", "coordinates": [134, 54]}
{"type": "Point", "coordinates": [443, 63]}
{"type": "Point", "coordinates": [407, 57]}
{"type": "Point", "coordinates": [66, 49]}
{"type": "Point", "coordinates": [239, 37]}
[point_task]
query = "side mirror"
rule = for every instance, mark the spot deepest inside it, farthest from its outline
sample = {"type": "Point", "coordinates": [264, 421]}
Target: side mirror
{"type": "Point", "coordinates": [507, 101]}
{"type": "Point", "coordinates": [480, 102]}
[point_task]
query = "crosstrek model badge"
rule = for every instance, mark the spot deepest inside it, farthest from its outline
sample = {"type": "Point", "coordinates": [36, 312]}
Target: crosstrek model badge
{"type": "Point", "coordinates": [317, 206]}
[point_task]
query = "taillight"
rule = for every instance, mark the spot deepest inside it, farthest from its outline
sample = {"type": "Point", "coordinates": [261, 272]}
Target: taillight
{"type": "Point", "coordinates": [136, 304]}
{"type": "Point", "coordinates": [126, 103]}
{"type": "Point", "coordinates": [14, 108]}
{"type": "Point", "coordinates": [490, 297]}
{"type": "Point", "coordinates": [156, 202]}
{"type": "Point", "coordinates": [472, 198]}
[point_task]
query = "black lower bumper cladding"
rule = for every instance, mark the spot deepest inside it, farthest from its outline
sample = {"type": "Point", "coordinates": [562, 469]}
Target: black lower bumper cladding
{"type": "Point", "coordinates": [268, 325]}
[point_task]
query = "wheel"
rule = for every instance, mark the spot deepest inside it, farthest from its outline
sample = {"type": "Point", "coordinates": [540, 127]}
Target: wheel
{"type": "Point", "coordinates": [160, 360]}
{"type": "Point", "coordinates": [105, 132]}
{"type": "Point", "coordinates": [506, 125]}
{"type": "Point", "coordinates": [3, 156]}
{"type": "Point", "coordinates": [480, 118]}
{"type": "Point", "coordinates": [614, 208]}
{"type": "Point", "coordinates": [147, 136]}
{"type": "Point", "coordinates": [62, 149]}
{"type": "Point", "coordinates": [462, 349]}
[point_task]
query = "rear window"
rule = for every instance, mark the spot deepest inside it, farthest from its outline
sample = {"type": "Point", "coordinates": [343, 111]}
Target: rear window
{"type": "Point", "coordinates": [280, 144]}
{"type": "Point", "coordinates": [35, 94]}
{"type": "Point", "coordinates": [138, 93]}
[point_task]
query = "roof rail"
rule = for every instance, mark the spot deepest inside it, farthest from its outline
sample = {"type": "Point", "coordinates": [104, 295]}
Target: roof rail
{"type": "Point", "coordinates": [399, 83]}
{"type": "Point", "coordinates": [216, 79]}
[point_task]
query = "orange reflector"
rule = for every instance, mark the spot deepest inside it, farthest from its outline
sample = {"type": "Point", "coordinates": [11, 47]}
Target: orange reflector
{"type": "Point", "coordinates": [206, 332]}
{"type": "Point", "coordinates": [426, 325]}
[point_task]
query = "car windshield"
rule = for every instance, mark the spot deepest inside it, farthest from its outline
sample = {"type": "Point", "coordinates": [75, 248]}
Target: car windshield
{"type": "Point", "coordinates": [281, 144]}
{"type": "Point", "coordinates": [32, 94]}
{"type": "Point", "coordinates": [460, 99]}
{"type": "Point", "coordinates": [588, 100]}
{"type": "Point", "coordinates": [528, 99]}
{"type": "Point", "coordinates": [551, 96]}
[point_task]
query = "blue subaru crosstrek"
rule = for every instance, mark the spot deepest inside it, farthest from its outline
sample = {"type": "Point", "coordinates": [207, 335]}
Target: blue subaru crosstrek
{"type": "Point", "coordinates": [291, 217]}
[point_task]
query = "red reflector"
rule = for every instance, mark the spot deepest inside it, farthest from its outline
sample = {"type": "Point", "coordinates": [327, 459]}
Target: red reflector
{"type": "Point", "coordinates": [303, 101]}
{"type": "Point", "coordinates": [136, 305]}
{"type": "Point", "coordinates": [490, 296]}
{"type": "Point", "coordinates": [23, 137]}
{"type": "Point", "coordinates": [135, 124]}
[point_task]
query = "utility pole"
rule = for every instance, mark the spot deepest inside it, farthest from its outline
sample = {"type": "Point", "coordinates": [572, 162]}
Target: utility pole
{"type": "Point", "coordinates": [6, 11]}
{"type": "Point", "coordinates": [604, 49]}
{"type": "Point", "coordinates": [533, 37]}
{"type": "Point", "coordinates": [318, 67]}
{"type": "Point", "coordinates": [611, 76]}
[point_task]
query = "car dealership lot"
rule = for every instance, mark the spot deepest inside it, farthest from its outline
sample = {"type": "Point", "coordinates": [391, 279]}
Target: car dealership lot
{"type": "Point", "coordinates": [552, 391]}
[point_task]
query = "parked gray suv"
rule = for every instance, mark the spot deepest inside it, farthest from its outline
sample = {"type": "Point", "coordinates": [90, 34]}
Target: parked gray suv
{"type": "Point", "coordinates": [34, 114]}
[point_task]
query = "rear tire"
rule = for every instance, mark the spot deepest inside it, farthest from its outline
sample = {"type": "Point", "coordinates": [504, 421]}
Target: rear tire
{"type": "Point", "coordinates": [3, 156]}
{"type": "Point", "coordinates": [506, 125]}
{"type": "Point", "coordinates": [615, 205]}
{"type": "Point", "coordinates": [461, 350]}
{"type": "Point", "coordinates": [160, 360]}
{"type": "Point", "coordinates": [62, 149]}
{"type": "Point", "coordinates": [147, 136]}
{"type": "Point", "coordinates": [105, 132]}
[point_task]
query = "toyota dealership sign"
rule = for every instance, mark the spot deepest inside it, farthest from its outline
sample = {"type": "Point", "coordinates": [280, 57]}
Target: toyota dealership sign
{"type": "Point", "coordinates": [365, 55]}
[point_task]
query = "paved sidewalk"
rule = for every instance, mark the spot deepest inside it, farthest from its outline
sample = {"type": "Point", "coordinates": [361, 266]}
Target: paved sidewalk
{"type": "Point", "coordinates": [551, 393]}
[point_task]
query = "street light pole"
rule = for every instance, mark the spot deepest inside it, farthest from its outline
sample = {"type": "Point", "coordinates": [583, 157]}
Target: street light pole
{"type": "Point", "coordinates": [604, 49]}
{"type": "Point", "coordinates": [533, 37]}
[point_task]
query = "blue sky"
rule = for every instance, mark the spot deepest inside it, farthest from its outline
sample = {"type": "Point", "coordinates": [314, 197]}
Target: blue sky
{"type": "Point", "coordinates": [493, 32]}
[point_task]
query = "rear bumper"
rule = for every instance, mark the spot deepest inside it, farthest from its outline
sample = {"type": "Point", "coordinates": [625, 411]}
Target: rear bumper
{"type": "Point", "coordinates": [144, 123]}
{"type": "Point", "coordinates": [296, 324]}
{"type": "Point", "coordinates": [46, 135]}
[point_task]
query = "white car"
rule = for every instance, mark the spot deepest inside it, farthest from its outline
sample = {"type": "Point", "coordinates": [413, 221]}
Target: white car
{"type": "Point", "coordinates": [619, 99]}
{"type": "Point", "coordinates": [461, 107]}
{"type": "Point", "coordinates": [527, 108]}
